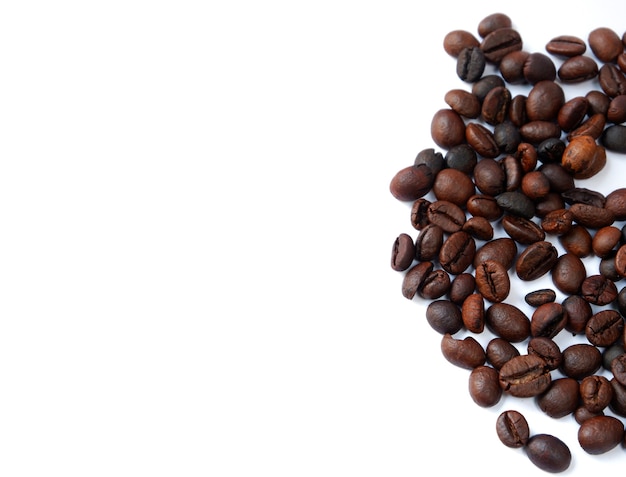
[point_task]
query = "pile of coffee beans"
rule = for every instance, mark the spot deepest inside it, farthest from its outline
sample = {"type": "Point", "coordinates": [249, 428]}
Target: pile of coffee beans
{"type": "Point", "coordinates": [512, 162]}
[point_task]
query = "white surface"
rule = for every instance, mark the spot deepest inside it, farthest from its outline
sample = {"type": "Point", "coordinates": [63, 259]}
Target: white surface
{"type": "Point", "coordinates": [196, 232]}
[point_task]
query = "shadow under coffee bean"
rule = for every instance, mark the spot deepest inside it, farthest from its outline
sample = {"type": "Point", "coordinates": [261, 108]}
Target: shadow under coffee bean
{"type": "Point", "coordinates": [514, 162]}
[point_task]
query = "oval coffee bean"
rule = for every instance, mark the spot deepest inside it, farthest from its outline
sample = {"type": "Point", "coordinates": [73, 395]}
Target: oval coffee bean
{"type": "Point", "coordinates": [595, 393]}
{"type": "Point", "coordinates": [566, 46]}
{"type": "Point", "coordinates": [539, 297]}
{"type": "Point", "coordinates": [516, 203]}
{"type": "Point", "coordinates": [447, 128]}
{"type": "Point", "coordinates": [557, 222]}
{"type": "Point", "coordinates": [492, 281]}
{"type": "Point", "coordinates": [497, 44]}
{"type": "Point", "coordinates": [605, 241]}
{"type": "Point", "coordinates": [412, 182]}
{"type": "Point", "coordinates": [568, 273]}
{"type": "Point", "coordinates": [447, 215]}
{"type": "Point", "coordinates": [499, 351]}
{"type": "Point", "coordinates": [581, 360]}
{"type": "Point", "coordinates": [502, 249]}
{"type": "Point", "coordinates": [414, 279]}
{"type": "Point", "coordinates": [462, 158]}
{"type": "Point", "coordinates": [435, 285]}
{"type": "Point", "coordinates": [578, 313]}
{"type": "Point", "coordinates": [614, 138]}
{"type": "Point", "coordinates": [618, 367]}
{"type": "Point", "coordinates": [583, 158]}
{"type": "Point", "coordinates": [453, 186]}
{"type": "Point", "coordinates": [463, 102]}
{"type": "Point", "coordinates": [536, 260]}
{"type": "Point", "coordinates": [548, 320]}
{"type": "Point", "coordinates": [470, 64]}
{"type": "Point", "coordinates": [546, 349]}
{"type": "Point", "coordinates": [600, 434]}
{"type": "Point", "coordinates": [462, 286]}
{"type": "Point", "coordinates": [612, 80]}
{"type": "Point", "coordinates": [419, 213]}
{"type": "Point", "coordinates": [523, 231]}
{"type": "Point", "coordinates": [430, 158]}
{"type": "Point", "coordinates": [512, 429]}
{"type": "Point", "coordinates": [591, 216]}
{"type": "Point", "coordinates": [616, 203]}
{"type": "Point", "coordinates": [525, 376]}
{"type": "Point", "coordinates": [577, 69]}
{"type": "Point", "coordinates": [493, 22]}
{"type": "Point", "coordinates": [605, 44]}
{"type": "Point", "coordinates": [604, 328]}
{"type": "Point", "coordinates": [507, 321]}
{"type": "Point", "coordinates": [484, 386]}
{"type": "Point", "coordinates": [455, 41]}
{"type": "Point", "coordinates": [478, 227]}
{"type": "Point", "coordinates": [457, 252]}
{"type": "Point", "coordinates": [572, 113]}
{"type": "Point", "coordinates": [465, 353]}
{"type": "Point", "coordinates": [561, 398]}
{"type": "Point", "coordinates": [495, 107]}
{"type": "Point", "coordinates": [428, 243]}
{"type": "Point", "coordinates": [480, 205]}
{"type": "Point", "coordinates": [402, 253]}
{"type": "Point", "coordinates": [473, 313]}
{"type": "Point", "coordinates": [482, 140]}
{"type": "Point", "coordinates": [598, 290]}
{"type": "Point", "coordinates": [577, 240]}
{"type": "Point", "coordinates": [444, 316]}
{"type": "Point", "coordinates": [548, 453]}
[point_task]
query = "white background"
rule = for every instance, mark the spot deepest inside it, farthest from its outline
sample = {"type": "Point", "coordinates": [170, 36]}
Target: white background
{"type": "Point", "coordinates": [196, 234]}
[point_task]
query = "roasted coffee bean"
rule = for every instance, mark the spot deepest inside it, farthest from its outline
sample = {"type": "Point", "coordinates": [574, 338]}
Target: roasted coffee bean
{"type": "Point", "coordinates": [486, 84]}
{"type": "Point", "coordinates": [546, 349]}
{"type": "Point", "coordinates": [495, 106]}
{"type": "Point", "coordinates": [402, 252]}
{"type": "Point", "coordinates": [489, 177]}
{"type": "Point", "coordinates": [607, 268]}
{"type": "Point", "coordinates": [507, 137]}
{"type": "Point", "coordinates": [499, 42]}
{"type": "Point", "coordinates": [457, 252]}
{"type": "Point", "coordinates": [548, 453]}
{"type": "Point", "coordinates": [572, 113]}
{"type": "Point", "coordinates": [551, 150]}
{"type": "Point", "coordinates": [605, 44]}
{"type": "Point", "coordinates": [582, 195]}
{"type": "Point", "coordinates": [617, 110]}
{"type": "Point", "coordinates": [539, 297]}
{"type": "Point", "coordinates": [583, 157]}
{"type": "Point", "coordinates": [577, 241]}
{"type": "Point", "coordinates": [525, 376]}
{"type": "Point", "coordinates": [535, 185]}
{"type": "Point", "coordinates": [428, 243]}
{"type": "Point", "coordinates": [566, 46]}
{"type": "Point", "coordinates": [535, 132]}
{"type": "Point", "coordinates": [621, 301]}
{"type": "Point", "coordinates": [414, 279]}
{"type": "Point", "coordinates": [593, 126]}
{"type": "Point", "coordinates": [579, 312]}
{"type": "Point", "coordinates": [480, 205]}
{"type": "Point", "coordinates": [560, 180]}
{"type": "Point", "coordinates": [616, 203]}
{"type": "Point", "coordinates": [512, 429]}
{"type": "Point", "coordinates": [478, 227]}
{"type": "Point", "coordinates": [577, 69]}
{"type": "Point", "coordinates": [557, 222]}
{"type": "Point", "coordinates": [465, 353]}
{"type": "Point", "coordinates": [502, 249]}
{"type": "Point", "coordinates": [600, 434]}
{"type": "Point", "coordinates": [539, 67]}
{"type": "Point", "coordinates": [447, 215]}
{"type": "Point", "coordinates": [582, 414]}
{"type": "Point", "coordinates": [568, 273]}
{"type": "Point", "coordinates": [492, 281]}
{"type": "Point", "coordinates": [516, 203]}
{"type": "Point", "coordinates": [595, 393]}
{"type": "Point", "coordinates": [618, 368]}
{"type": "Point", "coordinates": [513, 172]}
{"type": "Point", "coordinates": [455, 41]}
{"type": "Point", "coordinates": [499, 351]}
{"type": "Point", "coordinates": [430, 158]}
{"type": "Point", "coordinates": [508, 322]}
{"type": "Point", "coordinates": [598, 290]}
{"type": "Point", "coordinates": [511, 67]}
{"type": "Point", "coordinates": [597, 103]}
{"type": "Point", "coordinates": [523, 231]}
{"type": "Point", "coordinates": [435, 285]}
{"type": "Point", "coordinates": [481, 139]}
{"type": "Point", "coordinates": [618, 402]}
{"type": "Point", "coordinates": [484, 386]}
{"type": "Point", "coordinates": [605, 241]}
{"type": "Point", "coordinates": [444, 316]}
{"type": "Point", "coordinates": [548, 320]}
{"type": "Point", "coordinates": [412, 182]}
{"type": "Point", "coordinates": [614, 138]}
{"type": "Point", "coordinates": [620, 261]}
{"type": "Point", "coordinates": [466, 104]}
{"type": "Point", "coordinates": [536, 260]}
{"type": "Point", "coordinates": [493, 22]}
{"type": "Point", "coordinates": [419, 213]}
{"type": "Point", "coordinates": [453, 186]}
{"type": "Point", "coordinates": [470, 64]}
{"type": "Point", "coordinates": [517, 110]}
{"type": "Point", "coordinates": [560, 399]}
{"type": "Point", "coordinates": [473, 313]}
{"type": "Point", "coordinates": [462, 286]}
{"type": "Point", "coordinates": [580, 360]}
{"type": "Point", "coordinates": [462, 158]}
{"type": "Point", "coordinates": [621, 61]}
{"type": "Point", "coordinates": [447, 128]}
{"type": "Point", "coordinates": [610, 353]}
{"type": "Point", "coordinates": [591, 216]}
{"type": "Point", "coordinates": [604, 328]}
{"type": "Point", "coordinates": [612, 80]}
{"type": "Point", "coordinates": [544, 101]}
{"type": "Point", "coordinates": [553, 201]}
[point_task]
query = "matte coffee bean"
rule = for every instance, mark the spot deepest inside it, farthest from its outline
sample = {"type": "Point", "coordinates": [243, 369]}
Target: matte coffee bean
{"type": "Point", "coordinates": [592, 126]}
{"type": "Point", "coordinates": [486, 84]}
{"type": "Point", "coordinates": [428, 243]}
{"type": "Point", "coordinates": [493, 22]}
{"type": "Point", "coordinates": [566, 46]}
{"type": "Point", "coordinates": [568, 273]}
{"type": "Point", "coordinates": [560, 399]}
{"type": "Point", "coordinates": [511, 67]}
{"type": "Point", "coordinates": [499, 42]}
{"type": "Point", "coordinates": [580, 360]}
{"type": "Point", "coordinates": [484, 386]}
{"type": "Point", "coordinates": [598, 290]}
{"type": "Point", "coordinates": [455, 41]}
{"type": "Point", "coordinates": [544, 101]}
{"type": "Point", "coordinates": [591, 216]}
{"type": "Point", "coordinates": [548, 453]}
{"type": "Point", "coordinates": [548, 320]}
{"type": "Point", "coordinates": [618, 368]}
{"type": "Point", "coordinates": [612, 80]}
{"type": "Point", "coordinates": [435, 285]}
{"type": "Point", "coordinates": [414, 279]}
{"type": "Point", "coordinates": [502, 249]}
{"type": "Point", "coordinates": [470, 64]}
{"type": "Point", "coordinates": [551, 150]}
{"type": "Point", "coordinates": [473, 313]}
{"type": "Point", "coordinates": [447, 128]}
{"type": "Point", "coordinates": [481, 139]}
{"type": "Point", "coordinates": [508, 322]}
{"type": "Point", "coordinates": [536, 260]}
{"type": "Point", "coordinates": [447, 215]}
{"type": "Point", "coordinates": [495, 106]}
{"type": "Point", "coordinates": [539, 67]}
{"type": "Point", "coordinates": [607, 268]}
{"type": "Point", "coordinates": [577, 69]}
{"type": "Point", "coordinates": [579, 312]}
{"type": "Point", "coordinates": [600, 434]}
{"type": "Point", "coordinates": [402, 253]}
{"type": "Point", "coordinates": [604, 328]}
{"type": "Point", "coordinates": [430, 158]}
{"type": "Point", "coordinates": [535, 132]}
{"type": "Point", "coordinates": [457, 252]}
{"type": "Point", "coordinates": [499, 351]}
{"type": "Point", "coordinates": [583, 157]}
{"type": "Point", "coordinates": [572, 113]}
{"type": "Point", "coordinates": [616, 203]}
{"type": "Point", "coordinates": [516, 203]}
{"type": "Point", "coordinates": [582, 414]}
{"type": "Point", "coordinates": [605, 44]}
{"type": "Point", "coordinates": [610, 353]}
{"type": "Point", "coordinates": [557, 222]}
{"type": "Point", "coordinates": [480, 205]}
{"type": "Point", "coordinates": [463, 285]}
{"type": "Point", "coordinates": [412, 182]}
{"type": "Point", "coordinates": [525, 376]}
{"type": "Point", "coordinates": [492, 281]}
{"type": "Point", "coordinates": [489, 177]}
{"type": "Point", "coordinates": [444, 316]}
{"type": "Point", "coordinates": [453, 186]}
{"type": "Point", "coordinates": [465, 353]}
{"type": "Point", "coordinates": [614, 138]}
{"type": "Point", "coordinates": [462, 158]}
{"type": "Point", "coordinates": [478, 227]}
{"type": "Point", "coordinates": [546, 349]}
{"type": "Point", "coordinates": [605, 240]}
{"type": "Point", "coordinates": [617, 110]}
{"type": "Point", "coordinates": [539, 297]}
{"type": "Point", "coordinates": [577, 241]}
{"type": "Point", "coordinates": [596, 393]}
{"type": "Point", "coordinates": [466, 104]}
{"type": "Point", "coordinates": [523, 231]}
{"type": "Point", "coordinates": [512, 429]}
{"type": "Point", "coordinates": [419, 213]}
{"type": "Point", "coordinates": [507, 137]}
{"type": "Point", "coordinates": [582, 195]}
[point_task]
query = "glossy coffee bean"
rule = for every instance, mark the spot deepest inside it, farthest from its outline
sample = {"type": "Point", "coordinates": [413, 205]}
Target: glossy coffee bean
{"type": "Point", "coordinates": [592, 126]}
{"type": "Point", "coordinates": [561, 398]}
{"type": "Point", "coordinates": [502, 249]}
{"type": "Point", "coordinates": [547, 349]}
{"type": "Point", "coordinates": [618, 402]}
{"type": "Point", "coordinates": [511, 66]}
{"type": "Point", "coordinates": [616, 203]}
{"type": "Point", "coordinates": [481, 139]}
{"type": "Point", "coordinates": [596, 393]}
{"type": "Point", "coordinates": [512, 429]}
{"type": "Point", "coordinates": [544, 101]}
{"type": "Point", "coordinates": [489, 177]}
{"type": "Point", "coordinates": [444, 316]}
{"type": "Point", "coordinates": [577, 69]}
{"type": "Point", "coordinates": [557, 222]}
{"type": "Point", "coordinates": [462, 286]}
{"type": "Point", "coordinates": [566, 46]}
{"type": "Point", "coordinates": [577, 241]}
{"type": "Point", "coordinates": [402, 253]}
{"type": "Point", "coordinates": [447, 215]}
{"type": "Point", "coordinates": [484, 386]}
{"type": "Point", "coordinates": [598, 290]}
{"type": "Point", "coordinates": [617, 110]}
{"type": "Point", "coordinates": [568, 273]}
{"type": "Point", "coordinates": [548, 320]}
{"type": "Point", "coordinates": [453, 186]}
{"type": "Point", "coordinates": [553, 201]}
{"type": "Point", "coordinates": [495, 106]}
{"type": "Point", "coordinates": [419, 213]}
{"type": "Point", "coordinates": [447, 128]}
{"type": "Point", "coordinates": [539, 67]}
{"type": "Point", "coordinates": [478, 227]}
{"type": "Point", "coordinates": [414, 279]}
{"type": "Point", "coordinates": [456, 40]}
{"type": "Point", "coordinates": [618, 367]}
{"type": "Point", "coordinates": [465, 353]}
{"type": "Point", "coordinates": [525, 376]}
{"type": "Point", "coordinates": [572, 113]}
{"type": "Point", "coordinates": [582, 195]}
{"type": "Point", "coordinates": [604, 328]}
{"type": "Point", "coordinates": [583, 157]}
{"type": "Point", "coordinates": [597, 102]}
{"type": "Point", "coordinates": [523, 231]}
{"type": "Point", "coordinates": [457, 252]}
{"type": "Point", "coordinates": [581, 360]}
{"type": "Point", "coordinates": [614, 138]}
{"type": "Point", "coordinates": [612, 80]}
{"type": "Point", "coordinates": [600, 434]}
{"type": "Point", "coordinates": [507, 137]}
{"type": "Point", "coordinates": [538, 131]}
{"type": "Point", "coordinates": [481, 205]}
{"type": "Point", "coordinates": [516, 203]}
{"type": "Point", "coordinates": [560, 180]}
{"type": "Point", "coordinates": [605, 240]}
{"type": "Point", "coordinates": [517, 110]}
{"type": "Point", "coordinates": [548, 453]}
{"type": "Point", "coordinates": [539, 297]}
{"type": "Point", "coordinates": [499, 42]}
{"type": "Point", "coordinates": [435, 285]}
{"type": "Point", "coordinates": [508, 322]}
{"type": "Point", "coordinates": [536, 260]}
{"type": "Point", "coordinates": [465, 103]}
{"type": "Point", "coordinates": [620, 261]}
{"type": "Point", "coordinates": [513, 172]}
{"type": "Point", "coordinates": [605, 44]}
{"type": "Point", "coordinates": [486, 84]}
{"type": "Point", "coordinates": [428, 243]}
{"type": "Point", "coordinates": [411, 183]}
{"type": "Point", "coordinates": [473, 313]}
{"type": "Point", "coordinates": [493, 22]}
{"type": "Point", "coordinates": [579, 312]}
{"type": "Point", "coordinates": [499, 351]}
{"type": "Point", "coordinates": [492, 281]}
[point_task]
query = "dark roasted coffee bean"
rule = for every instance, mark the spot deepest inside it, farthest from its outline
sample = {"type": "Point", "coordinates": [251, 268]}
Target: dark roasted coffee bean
{"type": "Point", "coordinates": [499, 351]}
{"type": "Point", "coordinates": [551, 150]}
{"type": "Point", "coordinates": [527, 155]}
{"type": "Point", "coordinates": [617, 110]}
{"type": "Point", "coordinates": [577, 69]}
{"type": "Point", "coordinates": [462, 286]}
{"type": "Point", "coordinates": [560, 180]}
{"type": "Point", "coordinates": [553, 201]}
{"type": "Point", "coordinates": [486, 84]}
{"type": "Point", "coordinates": [618, 368]}
{"type": "Point", "coordinates": [412, 182]}
{"type": "Point", "coordinates": [465, 353]}
{"type": "Point", "coordinates": [431, 158]}
{"type": "Point", "coordinates": [489, 177]}
{"type": "Point", "coordinates": [593, 126]}
{"type": "Point", "coordinates": [516, 203]}
{"type": "Point", "coordinates": [473, 313]}
{"type": "Point", "coordinates": [507, 137]}
{"type": "Point", "coordinates": [481, 139]}
{"type": "Point", "coordinates": [492, 281]}
{"type": "Point", "coordinates": [402, 252]}
{"type": "Point", "coordinates": [457, 252]}
{"type": "Point", "coordinates": [557, 222]}
{"type": "Point", "coordinates": [428, 243]}
{"type": "Point", "coordinates": [447, 128]}
{"type": "Point", "coordinates": [621, 301]}
{"type": "Point", "coordinates": [495, 106]}
{"type": "Point", "coordinates": [614, 138]}
{"type": "Point", "coordinates": [480, 205]}
{"type": "Point", "coordinates": [484, 386]}
{"type": "Point", "coordinates": [525, 376]}
{"type": "Point", "coordinates": [606, 240]}
{"type": "Point", "coordinates": [610, 353]}
{"type": "Point", "coordinates": [548, 320]}
{"type": "Point", "coordinates": [548, 453]}
{"type": "Point", "coordinates": [612, 80]}
{"type": "Point", "coordinates": [511, 67]}
{"type": "Point", "coordinates": [523, 231]}
{"type": "Point", "coordinates": [568, 273]}
{"type": "Point", "coordinates": [539, 297]}
{"type": "Point", "coordinates": [539, 67]}
{"type": "Point", "coordinates": [546, 349]}
{"type": "Point", "coordinates": [502, 249]}
{"type": "Point", "coordinates": [492, 22]}
{"type": "Point", "coordinates": [419, 213]}
{"type": "Point", "coordinates": [535, 185]}
{"type": "Point", "coordinates": [414, 279]}
{"type": "Point", "coordinates": [462, 158]}
{"type": "Point", "coordinates": [598, 290]}
{"type": "Point", "coordinates": [579, 312]}
{"type": "Point", "coordinates": [535, 132]}
{"type": "Point", "coordinates": [536, 260]}
{"type": "Point", "coordinates": [447, 215]}
{"type": "Point", "coordinates": [444, 316]}
{"type": "Point", "coordinates": [544, 101]}
{"type": "Point", "coordinates": [591, 216]}
{"type": "Point", "coordinates": [620, 261]}
{"type": "Point", "coordinates": [596, 393]}
{"type": "Point", "coordinates": [560, 399]}
{"type": "Point", "coordinates": [582, 414]}
{"type": "Point", "coordinates": [582, 195]}
{"type": "Point", "coordinates": [512, 429]}
{"type": "Point", "coordinates": [517, 110]}
{"type": "Point", "coordinates": [572, 113]}
{"type": "Point", "coordinates": [435, 285]}
{"type": "Point", "coordinates": [470, 64]}
{"type": "Point", "coordinates": [618, 402]}
{"type": "Point", "coordinates": [607, 268]}
{"type": "Point", "coordinates": [499, 42]}
{"type": "Point", "coordinates": [566, 46]}
{"type": "Point", "coordinates": [455, 41]}
{"type": "Point", "coordinates": [508, 322]}
{"type": "Point", "coordinates": [577, 241]}
{"type": "Point", "coordinates": [513, 172]}
{"type": "Point", "coordinates": [478, 227]}
{"type": "Point", "coordinates": [453, 186]}
{"type": "Point", "coordinates": [466, 104]}
{"type": "Point", "coordinates": [616, 203]}
{"type": "Point", "coordinates": [583, 157]}
{"type": "Point", "coordinates": [600, 434]}
{"type": "Point", "coordinates": [605, 44]}
{"type": "Point", "coordinates": [597, 103]}
{"type": "Point", "coordinates": [581, 360]}
{"type": "Point", "coordinates": [604, 328]}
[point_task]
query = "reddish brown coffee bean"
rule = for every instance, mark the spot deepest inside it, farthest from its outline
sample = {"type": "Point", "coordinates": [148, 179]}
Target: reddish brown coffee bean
{"type": "Point", "coordinates": [523, 231]}
{"type": "Point", "coordinates": [548, 320]}
{"type": "Point", "coordinates": [536, 260]}
{"type": "Point", "coordinates": [583, 157]}
{"type": "Point", "coordinates": [502, 249]}
{"type": "Point", "coordinates": [428, 243]}
{"type": "Point", "coordinates": [557, 222]}
{"type": "Point", "coordinates": [419, 213]}
{"type": "Point", "coordinates": [480, 205]}
{"type": "Point", "coordinates": [492, 22]}
{"type": "Point", "coordinates": [539, 67]}
{"type": "Point", "coordinates": [447, 128]}
{"type": "Point", "coordinates": [512, 429]}
{"type": "Point", "coordinates": [473, 313]}
{"type": "Point", "coordinates": [539, 297]}
{"type": "Point", "coordinates": [582, 414]}
{"type": "Point", "coordinates": [492, 281]}
{"type": "Point", "coordinates": [616, 203]}
{"type": "Point", "coordinates": [597, 103]}
{"type": "Point", "coordinates": [553, 201]}
{"type": "Point", "coordinates": [443, 316]}
{"type": "Point", "coordinates": [478, 227]}
{"type": "Point", "coordinates": [482, 140]}
{"type": "Point", "coordinates": [495, 106]}
{"type": "Point", "coordinates": [604, 328]}
{"type": "Point", "coordinates": [566, 46]}
{"type": "Point", "coordinates": [577, 241]}
{"type": "Point", "coordinates": [620, 261]}
{"type": "Point", "coordinates": [560, 180]}
{"type": "Point", "coordinates": [447, 215]}
{"type": "Point", "coordinates": [402, 253]}
{"type": "Point", "coordinates": [605, 240]}
{"type": "Point", "coordinates": [499, 351]}
{"type": "Point", "coordinates": [618, 368]}
{"type": "Point", "coordinates": [617, 110]}
{"type": "Point", "coordinates": [591, 216]}
{"type": "Point", "coordinates": [484, 386]}
{"type": "Point", "coordinates": [581, 360]}
{"type": "Point", "coordinates": [453, 186]}
{"type": "Point", "coordinates": [489, 177]}
{"type": "Point", "coordinates": [536, 132]}
{"type": "Point", "coordinates": [618, 403]}
{"type": "Point", "coordinates": [612, 80]}
{"type": "Point", "coordinates": [577, 68]}
{"type": "Point", "coordinates": [598, 290]}
{"type": "Point", "coordinates": [593, 126]}
{"type": "Point", "coordinates": [578, 313]}
{"type": "Point", "coordinates": [463, 102]}
{"type": "Point", "coordinates": [457, 252]}
{"type": "Point", "coordinates": [512, 67]}
{"type": "Point", "coordinates": [455, 41]}
{"type": "Point", "coordinates": [544, 101]}
{"type": "Point", "coordinates": [548, 453]}
{"type": "Point", "coordinates": [517, 110]}
{"type": "Point", "coordinates": [499, 42]}
{"type": "Point", "coordinates": [465, 353]}
{"type": "Point", "coordinates": [414, 279]}
{"type": "Point", "coordinates": [568, 273]}
{"type": "Point", "coordinates": [463, 285]}
{"type": "Point", "coordinates": [508, 322]}
{"type": "Point", "coordinates": [513, 172]}
{"type": "Point", "coordinates": [605, 44]}
{"type": "Point", "coordinates": [535, 185]}
{"type": "Point", "coordinates": [435, 285]}
{"type": "Point", "coordinates": [600, 434]}
{"type": "Point", "coordinates": [596, 393]}
{"type": "Point", "coordinates": [572, 113]}
{"type": "Point", "coordinates": [546, 349]}
{"type": "Point", "coordinates": [525, 376]}
{"type": "Point", "coordinates": [527, 155]}
{"type": "Point", "coordinates": [561, 398]}
{"type": "Point", "coordinates": [411, 183]}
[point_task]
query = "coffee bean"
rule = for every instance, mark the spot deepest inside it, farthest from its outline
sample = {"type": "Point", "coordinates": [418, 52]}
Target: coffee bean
{"type": "Point", "coordinates": [414, 279]}
{"type": "Point", "coordinates": [525, 376]}
{"type": "Point", "coordinates": [618, 367]}
{"type": "Point", "coordinates": [560, 180]}
{"type": "Point", "coordinates": [600, 434]}
{"type": "Point", "coordinates": [572, 113]}
{"type": "Point", "coordinates": [430, 158]}
{"type": "Point", "coordinates": [577, 241]}
{"type": "Point", "coordinates": [511, 66]}
{"type": "Point", "coordinates": [583, 157]}
{"type": "Point", "coordinates": [593, 126]}
{"type": "Point", "coordinates": [419, 213]}
{"type": "Point", "coordinates": [579, 312]}
{"type": "Point", "coordinates": [412, 182]}
{"type": "Point", "coordinates": [466, 104]}
{"type": "Point", "coordinates": [546, 349]}
{"type": "Point", "coordinates": [614, 138]}
{"type": "Point", "coordinates": [495, 106]}
{"type": "Point", "coordinates": [447, 215]}
{"type": "Point", "coordinates": [499, 351]}
{"type": "Point", "coordinates": [486, 84]}
{"type": "Point", "coordinates": [513, 172]}
{"type": "Point", "coordinates": [492, 281]}
{"type": "Point", "coordinates": [544, 101]}
{"type": "Point", "coordinates": [597, 103]}
{"type": "Point", "coordinates": [402, 253]}
{"type": "Point", "coordinates": [551, 150]}
{"type": "Point", "coordinates": [580, 360]}
{"type": "Point", "coordinates": [591, 216]}
{"type": "Point", "coordinates": [566, 46]}
{"type": "Point", "coordinates": [489, 177]}
{"type": "Point", "coordinates": [499, 42]}
{"type": "Point", "coordinates": [604, 328]}
{"type": "Point", "coordinates": [462, 158]}
{"type": "Point", "coordinates": [598, 290]}
{"type": "Point", "coordinates": [473, 313]}
{"type": "Point", "coordinates": [537, 131]}
{"type": "Point", "coordinates": [481, 139]}
{"type": "Point", "coordinates": [620, 261]}
{"type": "Point", "coordinates": [507, 321]}
{"type": "Point", "coordinates": [605, 240]}
{"type": "Point", "coordinates": [617, 110]}
{"type": "Point", "coordinates": [507, 137]}
{"type": "Point", "coordinates": [610, 353]}
{"type": "Point", "coordinates": [470, 64]}
{"type": "Point", "coordinates": [596, 393]}
{"type": "Point", "coordinates": [582, 414]}
{"type": "Point", "coordinates": [457, 252]}
{"type": "Point", "coordinates": [444, 316]}
{"type": "Point", "coordinates": [517, 110]}
{"type": "Point", "coordinates": [453, 186]}
{"type": "Point", "coordinates": [582, 195]}
{"type": "Point", "coordinates": [612, 80]}
{"type": "Point", "coordinates": [502, 249]}
{"type": "Point", "coordinates": [560, 399]}
{"type": "Point", "coordinates": [548, 453]}
{"type": "Point", "coordinates": [568, 273]}
{"type": "Point", "coordinates": [484, 386]}
{"type": "Point", "coordinates": [465, 353]}
{"type": "Point", "coordinates": [523, 231]}
{"type": "Point", "coordinates": [618, 401]}
{"type": "Point", "coordinates": [539, 297]}
{"type": "Point", "coordinates": [605, 44]}
{"type": "Point", "coordinates": [536, 260]}
{"type": "Point", "coordinates": [481, 205]}
{"type": "Point", "coordinates": [616, 203]}
{"type": "Point", "coordinates": [447, 128]}
{"type": "Point", "coordinates": [557, 222]}
{"type": "Point", "coordinates": [478, 227]}
{"type": "Point", "coordinates": [548, 320]}
{"type": "Point", "coordinates": [577, 69]}
{"type": "Point", "coordinates": [435, 285]}
{"type": "Point", "coordinates": [512, 429]}
{"type": "Point", "coordinates": [493, 22]}
{"type": "Point", "coordinates": [428, 243]}
{"type": "Point", "coordinates": [455, 41]}
{"type": "Point", "coordinates": [516, 203]}
{"type": "Point", "coordinates": [553, 201]}
{"type": "Point", "coordinates": [462, 286]}
{"type": "Point", "coordinates": [607, 268]}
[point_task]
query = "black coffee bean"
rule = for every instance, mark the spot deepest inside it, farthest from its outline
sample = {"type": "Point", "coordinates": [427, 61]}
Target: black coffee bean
{"type": "Point", "coordinates": [516, 203]}
{"type": "Point", "coordinates": [582, 195]}
{"type": "Point", "coordinates": [551, 150]}
{"type": "Point", "coordinates": [430, 158]}
{"type": "Point", "coordinates": [462, 158]}
{"type": "Point", "coordinates": [470, 64]}
{"type": "Point", "coordinates": [507, 137]}
{"type": "Point", "coordinates": [614, 138]}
